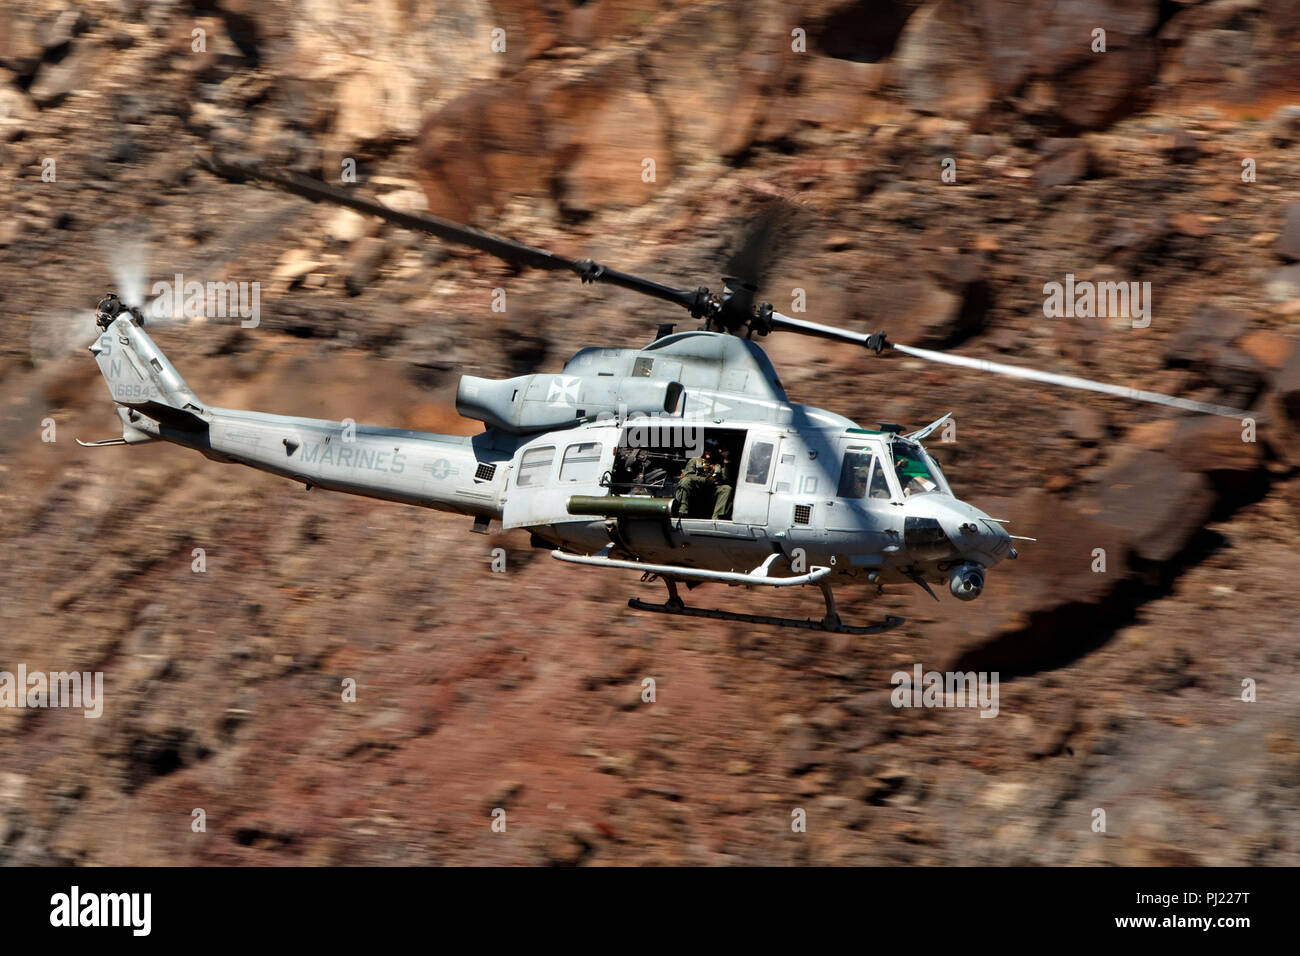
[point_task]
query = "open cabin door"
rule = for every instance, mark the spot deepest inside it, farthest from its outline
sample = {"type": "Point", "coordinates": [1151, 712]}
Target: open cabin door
{"type": "Point", "coordinates": [553, 467]}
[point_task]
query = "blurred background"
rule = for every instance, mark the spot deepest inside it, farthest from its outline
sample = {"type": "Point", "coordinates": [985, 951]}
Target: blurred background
{"type": "Point", "coordinates": [1120, 690]}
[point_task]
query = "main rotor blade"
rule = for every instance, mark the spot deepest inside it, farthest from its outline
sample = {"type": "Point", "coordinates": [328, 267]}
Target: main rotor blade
{"type": "Point", "coordinates": [1069, 381]}
{"type": "Point", "coordinates": [756, 250]}
{"type": "Point", "coordinates": [515, 253]}
{"type": "Point", "coordinates": [786, 323]}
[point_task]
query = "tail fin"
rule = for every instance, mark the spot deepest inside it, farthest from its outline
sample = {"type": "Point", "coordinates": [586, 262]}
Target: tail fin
{"type": "Point", "coordinates": [142, 380]}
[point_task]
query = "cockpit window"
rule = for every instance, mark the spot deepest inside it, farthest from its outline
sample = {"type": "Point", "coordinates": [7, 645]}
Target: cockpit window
{"type": "Point", "coordinates": [912, 465]}
{"type": "Point", "coordinates": [861, 475]}
{"type": "Point", "coordinates": [879, 483]}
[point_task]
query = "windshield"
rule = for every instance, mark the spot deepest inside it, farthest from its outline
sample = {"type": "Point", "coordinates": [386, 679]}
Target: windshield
{"type": "Point", "coordinates": [917, 472]}
{"type": "Point", "coordinates": [938, 473]}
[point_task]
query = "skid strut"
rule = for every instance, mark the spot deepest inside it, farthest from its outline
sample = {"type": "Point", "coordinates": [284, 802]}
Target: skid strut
{"type": "Point", "coordinates": [831, 622]}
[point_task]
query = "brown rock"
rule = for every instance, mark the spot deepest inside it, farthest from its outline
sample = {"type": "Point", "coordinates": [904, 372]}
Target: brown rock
{"type": "Point", "coordinates": [587, 136]}
{"type": "Point", "coordinates": [20, 44]}
{"type": "Point", "coordinates": [56, 81]}
{"type": "Point", "coordinates": [1223, 193]}
{"type": "Point", "coordinates": [364, 258]}
{"type": "Point", "coordinates": [1286, 125]}
{"type": "Point", "coordinates": [1108, 86]}
{"type": "Point", "coordinates": [1084, 423]}
{"type": "Point", "coordinates": [1051, 736]}
{"type": "Point", "coordinates": [1214, 444]}
{"type": "Point", "coordinates": [60, 31]}
{"type": "Point", "coordinates": [482, 147]}
{"type": "Point", "coordinates": [1217, 56]}
{"type": "Point", "coordinates": [16, 113]}
{"type": "Point", "coordinates": [1208, 330]}
{"type": "Point", "coordinates": [1184, 149]}
{"type": "Point", "coordinates": [832, 93]}
{"type": "Point", "coordinates": [294, 265]}
{"type": "Point", "coordinates": [965, 55]}
{"type": "Point", "coordinates": [1288, 241]}
{"type": "Point", "coordinates": [1046, 577]}
{"type": "Point", "coordinates": [927, 311]}
{"type": "Point", "coordinates": [933, 66]}
{"type": "Point", "coordinates": [1065, 162]}
{"type": "Point", "coordinates": [1286, 384]}
{"type": "Point", "coordinates": [1235, 372]}
{"type": "Point", "coordinates": [712, 111]}
{"type": "Point", "coordinates": [1158, 505]}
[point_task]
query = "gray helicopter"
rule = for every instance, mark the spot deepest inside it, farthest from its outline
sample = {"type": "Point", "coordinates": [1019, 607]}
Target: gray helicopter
{"type": "Point", "coordinates": [683, 460]}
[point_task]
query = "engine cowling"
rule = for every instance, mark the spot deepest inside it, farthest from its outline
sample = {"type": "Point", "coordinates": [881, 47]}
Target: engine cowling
{"type": "Point", "coordinates": [533, 403]}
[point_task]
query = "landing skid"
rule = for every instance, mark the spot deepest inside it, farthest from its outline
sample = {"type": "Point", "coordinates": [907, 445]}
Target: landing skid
{"type": "Point", "coordinates": [831, 622]}
{"type": "Point", "coordinates": [890, 622]}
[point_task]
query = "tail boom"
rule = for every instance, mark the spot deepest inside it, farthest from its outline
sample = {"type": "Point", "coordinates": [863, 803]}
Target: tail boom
{"type": "Point", "coordinates": [463, 475]}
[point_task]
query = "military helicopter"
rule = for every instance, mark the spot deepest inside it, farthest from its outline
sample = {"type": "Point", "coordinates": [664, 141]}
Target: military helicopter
{"type": "Point", "coordinates": [683, 460]}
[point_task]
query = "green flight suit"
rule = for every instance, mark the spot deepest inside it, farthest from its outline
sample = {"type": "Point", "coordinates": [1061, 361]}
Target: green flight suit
{"type": "Point", "coordinates": [702, 479]}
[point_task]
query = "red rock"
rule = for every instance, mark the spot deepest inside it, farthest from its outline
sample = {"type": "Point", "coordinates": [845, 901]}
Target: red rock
{"type": "Point", "coordinates": [1151, 435]}
{"type": "Point", "coordinates": [1190, 224]}
{"type": "Point", "coordinates": [616, 141]}
{"type": "Point", "coordinates": [1269, 348]}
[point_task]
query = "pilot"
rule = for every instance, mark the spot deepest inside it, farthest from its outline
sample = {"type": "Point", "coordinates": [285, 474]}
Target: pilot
{"type": "Point", "coordinates": [860, 475]}
{"type": "Point", "coordinates": [912, 476]}
{"type": "Point", "coordinates": [706, 473]}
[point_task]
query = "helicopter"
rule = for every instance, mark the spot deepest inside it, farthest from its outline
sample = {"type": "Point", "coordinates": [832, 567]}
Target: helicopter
{"type": "Point", "coordinates": [683, 459]}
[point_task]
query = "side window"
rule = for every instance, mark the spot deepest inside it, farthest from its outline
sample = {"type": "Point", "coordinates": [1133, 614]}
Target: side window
{"type": "Point", "coordinates": [535, 466]}
{"type": "Point", "coordinates": [760, 462]}
{"type": "Point", "coordinates": [581, 462]}
{"type": "Point", "coordinates": [855, 473]}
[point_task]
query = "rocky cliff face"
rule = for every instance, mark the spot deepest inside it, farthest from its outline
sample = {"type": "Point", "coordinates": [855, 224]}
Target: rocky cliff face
{"type": "Point", "coordinates": [648, 135]}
